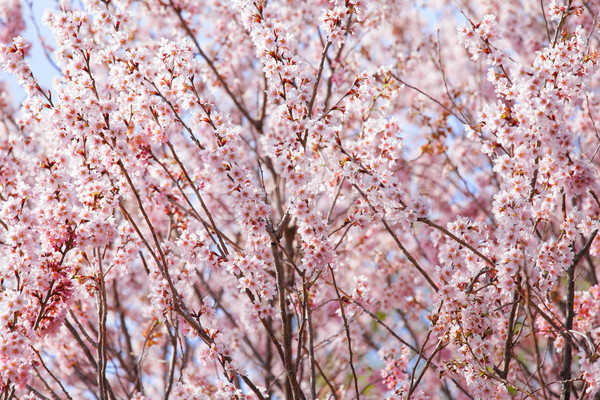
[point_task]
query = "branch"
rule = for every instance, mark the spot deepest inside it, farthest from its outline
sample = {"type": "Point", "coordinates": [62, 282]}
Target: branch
{"type": "Point", "coordinates": [171, 375]}
{"type": "Point", "coordinates": [51, 374]}
{"type": "Point", "coordinates": [399, 244]}
{"type": "Point", "coordinates": [286, 327]}
{"type": "Point", "coordinates": [311, 347]}
{"type": "Point", "coordinates": [255, 123]}
{"type": "Point", "coordinates": [199, 197]}
{"type": "Point", "coordinates": [101, 350]}
{"type": "Point", "coordinates": [319, 73]}
{"type": "Point", "coordinates": [561, 23]}
{"type": "Point", "coordinates": [429, 97]}
{"type": "Point", "coordinates": [457, 239]}
{"type": "Point", "coordinates": [347, 331]}
{"type": "Point", "coordinates": [565, 372]}
{"type": "Point", "coordinates": [413, 387]}
{"type": "Point", "coordinates": [508, 344]}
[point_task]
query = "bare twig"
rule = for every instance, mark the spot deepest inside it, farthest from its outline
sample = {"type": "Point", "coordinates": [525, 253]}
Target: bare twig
{"type": "Point", "coordinates": [319, 73]}
{"type": "Point", "coordinates": [347, 331]}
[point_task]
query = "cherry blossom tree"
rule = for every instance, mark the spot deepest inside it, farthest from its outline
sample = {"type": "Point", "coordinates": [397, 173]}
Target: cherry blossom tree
{"type": "Point", "coordinates": [289, 199]}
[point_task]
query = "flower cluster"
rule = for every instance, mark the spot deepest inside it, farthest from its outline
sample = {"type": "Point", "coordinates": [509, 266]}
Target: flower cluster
{"type": "Point", "coordinates": [252, 199]}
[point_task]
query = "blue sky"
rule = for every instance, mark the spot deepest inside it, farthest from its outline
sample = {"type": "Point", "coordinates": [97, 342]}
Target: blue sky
{"type": "Point", "coordinates": [38, 62]}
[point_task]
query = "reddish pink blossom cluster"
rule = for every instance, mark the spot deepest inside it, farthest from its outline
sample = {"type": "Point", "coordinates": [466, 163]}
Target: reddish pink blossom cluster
{"type": "Point", "coordinates": [301, 200]}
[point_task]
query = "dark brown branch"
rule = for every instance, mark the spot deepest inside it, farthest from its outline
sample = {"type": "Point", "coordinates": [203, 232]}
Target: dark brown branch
{"type": "Point", "coordinates": [311, 346]}
{"type": "Point", "coordinates": [508, 345]}
{"type": "Point", "coordinates": [565, 372]}
{"type": "Point", "coordinates": [286, 327]}
{"type": "Point", "coordinates": [171, 375]}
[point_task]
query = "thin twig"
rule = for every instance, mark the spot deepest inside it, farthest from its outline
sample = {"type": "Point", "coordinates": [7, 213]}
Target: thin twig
{"type": "Point", "coordinates": [51, 374]}
{"type": "Point", "coordinates": [347, 331]}
{"type": "Point", "coordinates": [319, 73]}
